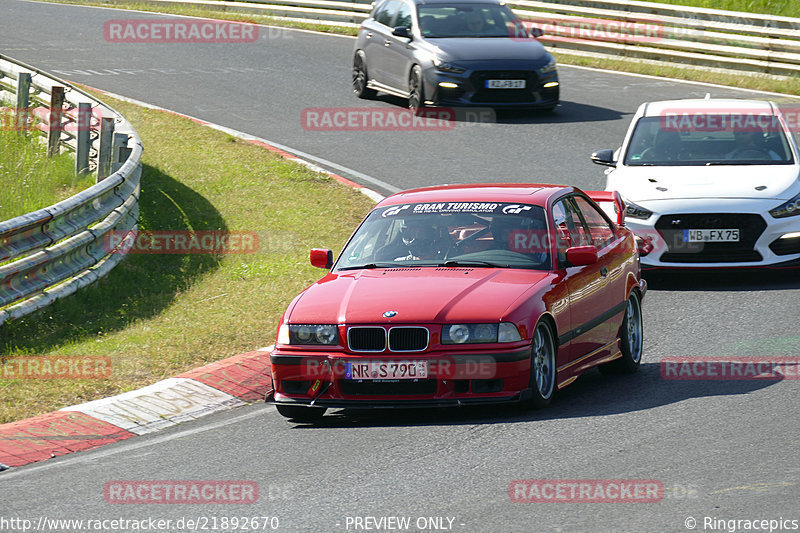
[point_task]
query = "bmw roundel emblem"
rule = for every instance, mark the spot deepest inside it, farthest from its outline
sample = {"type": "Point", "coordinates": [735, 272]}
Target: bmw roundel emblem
{"type": "Point", "coordinates": [389, 314]}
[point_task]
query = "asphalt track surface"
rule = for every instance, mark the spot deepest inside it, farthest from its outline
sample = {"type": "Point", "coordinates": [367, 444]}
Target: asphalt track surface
{"type": "Point", "coordinates": [723, 450]}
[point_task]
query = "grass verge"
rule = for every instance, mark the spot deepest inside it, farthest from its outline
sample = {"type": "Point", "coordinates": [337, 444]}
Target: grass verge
{"type": "Point", "coordinates": [158, 315]}
{"type": "Point", "coordinates": [29, 180]}
{"type": "Point", "coordinates": [783, 8]}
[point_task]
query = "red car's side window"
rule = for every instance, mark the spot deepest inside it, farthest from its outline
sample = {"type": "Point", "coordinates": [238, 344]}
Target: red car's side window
{"type": "Point", "coordinates": [600, 230]}
{"type": "Point", "coordinates": [570, 230]}
{"type": "Point", "coordinates": [578, 223]}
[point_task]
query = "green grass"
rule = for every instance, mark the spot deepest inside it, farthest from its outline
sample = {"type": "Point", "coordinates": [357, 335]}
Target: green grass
{"type": "Point", "coordinates": [763, 82]}
{"type": "Point", "coordinates": [784, 8]}
{"type": "Point", "coordinates": [29, 180]}
{"type": "Point", "coordinates": [158, 315]}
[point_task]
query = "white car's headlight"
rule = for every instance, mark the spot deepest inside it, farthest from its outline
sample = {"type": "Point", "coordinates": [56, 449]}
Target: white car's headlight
{"type": "Point", "coordinates": [787, 209]}
{"type": "Point", "coordinates": [325, 334]}
{"type": "Point", "coordinates": [479, 333]}
{"type": "Point", "coordinates": [636, 211]}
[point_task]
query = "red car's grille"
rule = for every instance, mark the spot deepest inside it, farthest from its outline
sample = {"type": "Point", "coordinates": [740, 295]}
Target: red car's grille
{"type": "Point", "coordinates": [400, 339]}
{"type": "Point", "coordinates": [367, 339]}
{"type": "Point", "coordinates": [408, 339]}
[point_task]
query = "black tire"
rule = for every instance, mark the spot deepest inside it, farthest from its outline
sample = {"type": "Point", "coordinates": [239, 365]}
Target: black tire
{"type": "Point", "coordinates": [543, 366]}
{"type": "Point", "coordinates": [301, 413]}
{"type": "Point", "coordinates": [360, 78]}
{"type": "Point", "coordinates": [630, 339]}
{"type": "Point", "coordinates": [416, 89]}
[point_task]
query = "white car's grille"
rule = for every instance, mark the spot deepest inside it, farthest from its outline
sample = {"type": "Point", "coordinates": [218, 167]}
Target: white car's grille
{"type": "Point", "coordinates": [671, 228]}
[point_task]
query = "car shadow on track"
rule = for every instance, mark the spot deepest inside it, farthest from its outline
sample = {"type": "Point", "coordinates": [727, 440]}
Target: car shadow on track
{"type": "Point", "coordinates": [591, 395]}
{"type": "Point", "coordinates": [751, 279]}
{"type": "Point", "coordinates": [566, 112]}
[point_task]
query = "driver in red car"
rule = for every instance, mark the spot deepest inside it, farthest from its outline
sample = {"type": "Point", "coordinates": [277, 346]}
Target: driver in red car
{"type": "Point", "coordinates": [423, 240]}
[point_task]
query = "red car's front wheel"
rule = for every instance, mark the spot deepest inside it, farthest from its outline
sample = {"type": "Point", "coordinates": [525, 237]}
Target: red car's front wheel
{"type": "Point", "coordinates": [543, 366]}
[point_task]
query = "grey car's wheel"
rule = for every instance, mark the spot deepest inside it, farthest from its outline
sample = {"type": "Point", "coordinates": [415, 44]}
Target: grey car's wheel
{"type": "Point", "coordinates": [630, 339]}
{"type": "Point", "coordinates": [543, 366]}
{"type": "Point", "coordinates": [360, 78]}
{"type": "Point", "coordinates": [416, 97]}
{"type": "Point", "coordinates": [301, 413]}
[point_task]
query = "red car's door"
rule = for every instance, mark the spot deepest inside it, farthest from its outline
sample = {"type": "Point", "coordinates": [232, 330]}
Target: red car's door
{"type": "Point", "coordinates": [596, 291]}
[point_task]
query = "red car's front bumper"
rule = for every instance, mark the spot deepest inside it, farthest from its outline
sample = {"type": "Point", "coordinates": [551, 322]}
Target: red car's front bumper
{"type": "Point", "coordinates": [454, 378]}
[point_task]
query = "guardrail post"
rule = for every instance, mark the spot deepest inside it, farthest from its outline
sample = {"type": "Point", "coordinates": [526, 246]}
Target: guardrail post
{"type": "Point", "coordinates": [119, 151]}
{"type": "Point", "coordinates": [83, 138]}
{"type": "Point", "coordinates": [56, 119]}
{"type": "Point", "coordinates": [106, 148]}
{"type": "Point", "coordinates": [23, 100]}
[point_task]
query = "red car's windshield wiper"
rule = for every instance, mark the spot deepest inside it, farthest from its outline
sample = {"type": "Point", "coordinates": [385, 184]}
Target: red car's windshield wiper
{"type": "Point", "coordinates": [472, 262]}
{"type": "Point", "coordinates": [371, 265]}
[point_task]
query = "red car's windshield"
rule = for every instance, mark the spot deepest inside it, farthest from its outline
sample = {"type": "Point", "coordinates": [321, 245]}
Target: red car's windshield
{"type": "Point", "coordinates": [479, 234]}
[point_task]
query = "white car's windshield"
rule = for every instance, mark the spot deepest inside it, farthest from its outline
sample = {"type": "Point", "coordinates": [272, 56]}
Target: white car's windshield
{"type": "Point", "coordinates": [469, 20]}
{"type": "Point", "coordinates": [709, 140]}
{"type": "Point", "coordinates": [473, 234]}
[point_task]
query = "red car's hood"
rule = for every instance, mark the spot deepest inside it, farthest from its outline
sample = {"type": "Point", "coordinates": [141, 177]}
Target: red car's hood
{"type": "Point", "coordinates": [417, 295]}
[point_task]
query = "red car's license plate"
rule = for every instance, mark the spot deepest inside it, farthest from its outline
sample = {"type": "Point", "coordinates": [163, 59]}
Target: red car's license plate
{"type": "Point", "coordinates": [386, 370]}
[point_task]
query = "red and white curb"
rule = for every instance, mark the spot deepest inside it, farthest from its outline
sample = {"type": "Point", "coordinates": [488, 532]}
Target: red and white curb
{"type": "Point", "coordinates": [215, 387]}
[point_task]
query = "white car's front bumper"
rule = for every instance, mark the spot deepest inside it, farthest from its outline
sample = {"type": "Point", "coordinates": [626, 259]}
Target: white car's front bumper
{"type": "Point", "coordinates": [764, 241]}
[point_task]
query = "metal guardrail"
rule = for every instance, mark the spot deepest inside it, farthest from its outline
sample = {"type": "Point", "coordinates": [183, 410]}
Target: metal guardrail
{"type": "Point", "coordinates": [52, 252]}
{"type": "Point", "coordinates": [673, 34]}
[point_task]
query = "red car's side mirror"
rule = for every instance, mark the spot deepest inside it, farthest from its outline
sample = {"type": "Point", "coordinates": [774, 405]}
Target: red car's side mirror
{"type": "Point", "coordinates": [321, 258]}
{"type": "Point", "coordinates": [582, 255]}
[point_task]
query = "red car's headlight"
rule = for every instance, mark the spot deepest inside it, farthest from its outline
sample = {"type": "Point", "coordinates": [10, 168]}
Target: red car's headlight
{"type": "Point", "coordinates": [479, 333]}
{"type": "Point", "coordinates": [325, 334]}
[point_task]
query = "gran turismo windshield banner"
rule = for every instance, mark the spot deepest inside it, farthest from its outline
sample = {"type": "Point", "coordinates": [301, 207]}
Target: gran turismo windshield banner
{"type": "Point", "coordinates": [491, 208]}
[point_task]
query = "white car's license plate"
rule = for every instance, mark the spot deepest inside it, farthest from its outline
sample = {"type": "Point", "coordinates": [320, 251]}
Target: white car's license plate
{"type": "Point", "coordinates": [386, 370]}
{"type": "Point", "coordinates": [711, 235]}
{"type": "Point", "coordinates": [505, 84]}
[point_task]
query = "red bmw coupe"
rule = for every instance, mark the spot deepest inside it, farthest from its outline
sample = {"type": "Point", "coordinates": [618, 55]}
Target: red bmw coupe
{"type": "Point", "coordinates": [464, 294]}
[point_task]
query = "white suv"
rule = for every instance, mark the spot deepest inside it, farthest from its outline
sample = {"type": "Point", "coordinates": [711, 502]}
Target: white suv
{"type": "Point", "coordinates": [709, 183]}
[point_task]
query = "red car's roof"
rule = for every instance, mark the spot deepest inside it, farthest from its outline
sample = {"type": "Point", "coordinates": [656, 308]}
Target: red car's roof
{"type": "Point", "coordinates": [529, 193]}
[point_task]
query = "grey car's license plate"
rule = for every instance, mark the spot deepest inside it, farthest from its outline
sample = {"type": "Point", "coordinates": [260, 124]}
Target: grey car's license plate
{"type": "Point", "coordinates": [505, 84]}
